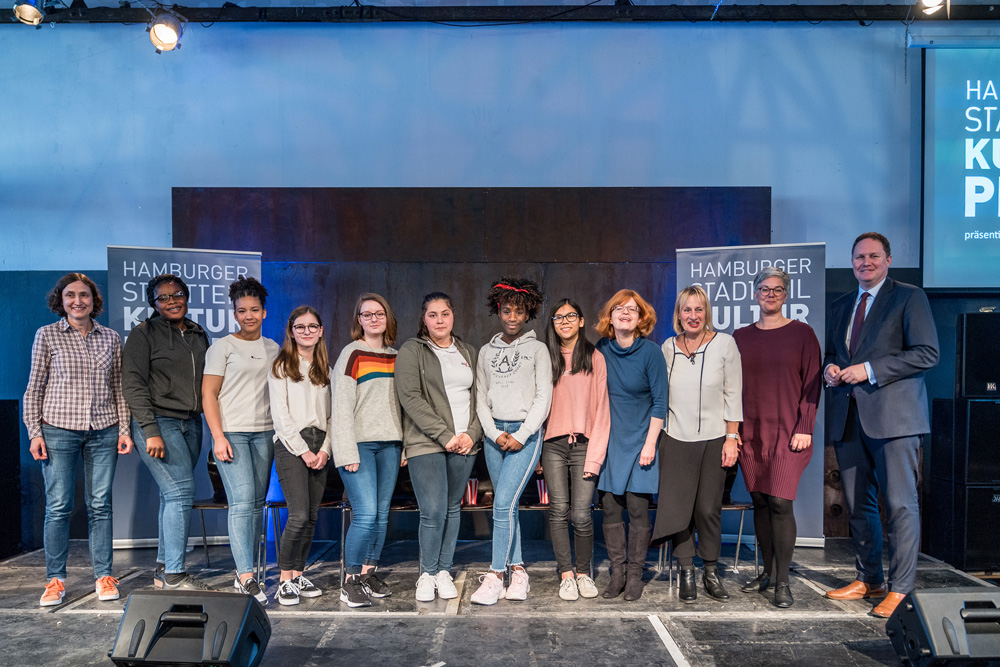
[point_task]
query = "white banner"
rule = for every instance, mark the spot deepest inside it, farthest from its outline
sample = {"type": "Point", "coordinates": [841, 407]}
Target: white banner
{"type": "Point", "coordinates": [207, 273]}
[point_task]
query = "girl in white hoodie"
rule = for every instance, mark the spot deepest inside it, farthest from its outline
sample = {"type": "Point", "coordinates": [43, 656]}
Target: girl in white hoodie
{"type": "Point", "coordinates": [513, 393]}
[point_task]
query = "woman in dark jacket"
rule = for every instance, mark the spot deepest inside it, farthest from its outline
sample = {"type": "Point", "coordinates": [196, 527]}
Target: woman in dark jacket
{"type": "Point", "coordinates": [161, 379]}
{"type": "Point", "coordinates": [435, 382]}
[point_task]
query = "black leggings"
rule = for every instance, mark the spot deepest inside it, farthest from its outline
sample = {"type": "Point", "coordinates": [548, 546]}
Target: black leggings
{"type": "Point", "coordinates": [774, 523]}
{"type": "Point", "coordinates": [637, 505]}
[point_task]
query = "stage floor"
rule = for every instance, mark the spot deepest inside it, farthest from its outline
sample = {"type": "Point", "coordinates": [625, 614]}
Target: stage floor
{"type": "Point", "coordinates": [397, 631]}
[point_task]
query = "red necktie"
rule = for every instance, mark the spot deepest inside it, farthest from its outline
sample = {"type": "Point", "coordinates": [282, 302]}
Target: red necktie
{"type": "Point", "coordinates": [859, 320]}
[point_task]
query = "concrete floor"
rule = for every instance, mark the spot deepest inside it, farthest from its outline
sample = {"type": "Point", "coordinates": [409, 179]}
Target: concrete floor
{"type": "Point", "coordinates": [398, 631]}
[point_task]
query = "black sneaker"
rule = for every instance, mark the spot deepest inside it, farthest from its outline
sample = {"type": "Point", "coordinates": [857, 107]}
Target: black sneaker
{"type": "Point", "coordinates": [251, 587]}
{"type": "Point", "coordinates": [188, 583]}
{"type": "Point", "coordinates": [287, 593]}
{"type": "Point", "coordinates": [307, 589]}
{"type": "Point", "coordinates": [375, 585]}
{"type": "Point", "coordinates": [354, 593]}
{"type": "Point", "coordinates": [158, 575]}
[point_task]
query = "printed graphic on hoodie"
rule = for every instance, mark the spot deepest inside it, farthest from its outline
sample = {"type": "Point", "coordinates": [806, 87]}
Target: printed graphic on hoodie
{"type": "Point", "coordinates": [506, 361]}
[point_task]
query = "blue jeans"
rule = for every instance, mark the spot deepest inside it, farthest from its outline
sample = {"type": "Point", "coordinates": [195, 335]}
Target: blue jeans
{"type": "Point", "coordinates": [510, 472]}
{"type": "Point", "coordinates": [100, 455]}
{"type": "Point", "coordinates": [246, 478]}
{"type": "Point", "coordinates": [370, 492]}
{"type": "Point", "coordinates": [174, 474]}
{"type": "Point", "coordinates": [439, 481]}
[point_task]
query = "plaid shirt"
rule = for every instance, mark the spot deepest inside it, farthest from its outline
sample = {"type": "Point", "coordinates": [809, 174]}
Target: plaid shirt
{"type": "Point", "coordinates": [75, 382]}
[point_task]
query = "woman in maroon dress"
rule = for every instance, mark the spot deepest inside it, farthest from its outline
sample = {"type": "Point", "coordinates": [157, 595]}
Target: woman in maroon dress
{"type": "Point", "coordinates": [781, 388]}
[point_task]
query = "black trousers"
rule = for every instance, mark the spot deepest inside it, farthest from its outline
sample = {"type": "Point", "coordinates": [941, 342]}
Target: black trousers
{"type": "Point", "coordinates": [303, 489]}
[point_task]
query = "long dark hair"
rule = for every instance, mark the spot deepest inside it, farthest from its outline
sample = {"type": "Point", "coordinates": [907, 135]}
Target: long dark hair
{"type": "Point", "coordinates": [286, 365]}
{"type": "Point", "coordinates": [422, 331]}
{"type": "Point", "coordinates": [583, 351]}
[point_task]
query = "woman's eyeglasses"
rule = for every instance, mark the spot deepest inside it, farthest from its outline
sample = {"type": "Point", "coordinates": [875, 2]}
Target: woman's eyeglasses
{"type": "Point", "coordinates": [625, 309]}
{"type": "Point", "coordinates": [569, 317]}
{"type": "Point", "coordinates": [302, 328]}
{"type": "Point", "coordinates": [367, 317]}
{"type": "Point", "coordinates": [166, 298]}
{"type": "Point", "coordinates": [768, 291]}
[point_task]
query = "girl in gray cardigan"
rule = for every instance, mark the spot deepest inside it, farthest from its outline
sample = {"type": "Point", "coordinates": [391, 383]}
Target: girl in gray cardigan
{"type": "Point", "coordinates": [435, 383]}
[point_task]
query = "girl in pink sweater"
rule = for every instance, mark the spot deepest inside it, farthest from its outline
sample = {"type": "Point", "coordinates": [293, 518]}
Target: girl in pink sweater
{"type": "Point", "coordinates": [576, 440]}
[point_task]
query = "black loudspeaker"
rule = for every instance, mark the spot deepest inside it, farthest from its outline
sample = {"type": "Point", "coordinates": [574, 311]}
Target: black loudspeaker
{"type": "Point", "coordinates": [191, 628]}
{"type": "Point", "coordinates": [963, 441]}
{"type": "Point", "coordinates": [977, 362]}
{"type": "Point", "coordinates": [10, 478]}
{"type": "Point", "coordinates": [962, 525]}
{"type": "Point", "coordinates": [947, 626]}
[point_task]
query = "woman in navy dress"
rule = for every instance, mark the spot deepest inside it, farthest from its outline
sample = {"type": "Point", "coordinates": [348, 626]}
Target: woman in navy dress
{"type": "Point", "coordinates": [636, 392]}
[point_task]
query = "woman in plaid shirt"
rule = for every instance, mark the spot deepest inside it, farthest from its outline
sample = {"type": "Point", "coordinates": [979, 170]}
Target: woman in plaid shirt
{"type": "Point", "coordinates": [74, 407]}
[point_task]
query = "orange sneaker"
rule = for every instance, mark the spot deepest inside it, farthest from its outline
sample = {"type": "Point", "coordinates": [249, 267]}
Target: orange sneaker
{"type": "Point", "coordinates": [53, 595]}
{"type": "Point", "coordinates": [107, 588]}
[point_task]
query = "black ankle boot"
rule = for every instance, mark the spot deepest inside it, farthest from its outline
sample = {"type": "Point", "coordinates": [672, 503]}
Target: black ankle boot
{"type": "Point", "coordinates": [758, 585]}
{"type": "Point", "coordinates": [783, 596]}
{"type": "Point", "coordinates": [688, 584]}
{"type": "Point", "coordinates": [712, 584]}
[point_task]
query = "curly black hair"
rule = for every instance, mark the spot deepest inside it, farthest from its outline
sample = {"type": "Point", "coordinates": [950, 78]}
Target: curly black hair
{"type": "Point", "coordinates": [516, 292]}
{"type": "Point", "coordinates": [247, 286]}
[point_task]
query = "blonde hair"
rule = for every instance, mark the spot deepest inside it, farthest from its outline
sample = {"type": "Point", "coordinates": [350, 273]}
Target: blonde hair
{"type": "Point", "coordinates": [685, 294]}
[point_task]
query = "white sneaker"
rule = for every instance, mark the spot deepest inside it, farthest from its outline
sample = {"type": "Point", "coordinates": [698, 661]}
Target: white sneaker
{"type": "Point", "coordinates": [445, 585]}
{"type": "Point", "coordinates": [568, 590]}
{"type": "Point", "coordinates": [426, 585]}
{"type": "Point", "coordinates": [518, 589]}
{"type": "Point", "coordinates": [586, 586]}
{"type": "Point", "coordinates": [489, 591]}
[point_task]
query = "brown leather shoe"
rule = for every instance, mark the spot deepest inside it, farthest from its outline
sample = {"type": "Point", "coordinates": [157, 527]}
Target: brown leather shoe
{"type": "Point", "coordinates": [857, 590]}
{"type": "Point", "coordinates": [885, 608]}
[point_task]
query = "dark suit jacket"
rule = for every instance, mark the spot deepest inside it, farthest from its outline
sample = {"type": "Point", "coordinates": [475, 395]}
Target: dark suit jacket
{"type": "Point", "coordinates": [899, 340]}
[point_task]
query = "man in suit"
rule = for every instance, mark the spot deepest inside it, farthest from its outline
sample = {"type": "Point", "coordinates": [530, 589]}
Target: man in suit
{"type": "Point", "coordinates": [880, 342]}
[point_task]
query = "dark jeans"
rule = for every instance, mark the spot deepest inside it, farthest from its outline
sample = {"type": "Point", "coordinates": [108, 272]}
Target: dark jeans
{"type": "Point", "coordinates": [439, 481]}
{"type": "Point", "coordinates": [303, 488]}
{"type": "Point", "coordinates": [562, 465]}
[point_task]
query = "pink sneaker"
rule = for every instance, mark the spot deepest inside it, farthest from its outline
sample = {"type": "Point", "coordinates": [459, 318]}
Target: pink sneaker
{"type": "Point", "coordinates": [490, 590]}
{"type": "Point", "coordinates": [518, 589]}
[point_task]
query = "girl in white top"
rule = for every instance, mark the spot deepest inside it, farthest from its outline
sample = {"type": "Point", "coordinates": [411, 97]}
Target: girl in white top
{"type": "Point", "coordinates": [299, 386]}
{"type": "Point", "coordinates": [238, 413]}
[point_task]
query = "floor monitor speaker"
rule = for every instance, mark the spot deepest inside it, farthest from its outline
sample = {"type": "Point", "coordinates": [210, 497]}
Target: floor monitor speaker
{"type": "Point", "coordinates": [947, 626]}
{"type": "Point", "coordinates": [191, 629]}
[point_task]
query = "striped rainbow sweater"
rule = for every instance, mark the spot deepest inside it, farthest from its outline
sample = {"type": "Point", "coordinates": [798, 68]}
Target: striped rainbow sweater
{"type": "Point", "coordinates": [365, 407]}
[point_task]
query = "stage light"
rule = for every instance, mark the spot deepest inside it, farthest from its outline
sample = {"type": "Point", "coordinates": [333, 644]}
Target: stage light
{"type": "Point", "coordinates": [932, 6]}
{"type": "Point", "coordinates": [29, 11]}
{"type": "Point", "coordinates": [165, 30]}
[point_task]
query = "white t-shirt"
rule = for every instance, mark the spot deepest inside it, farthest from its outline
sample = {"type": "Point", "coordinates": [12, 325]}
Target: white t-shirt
{"type": "Point", "coordinates": [243, 366]}
{"type": "Point", "coordinates": [458, 379]}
